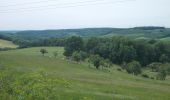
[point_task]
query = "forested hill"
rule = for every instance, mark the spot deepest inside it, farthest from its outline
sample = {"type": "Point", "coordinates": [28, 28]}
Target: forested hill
{"type": "Point", "coordinates": [43, 34]}
{"type": "Point", "coordinates": [32, 36]}
{"type": "Point", "coordinates": [147, 32]}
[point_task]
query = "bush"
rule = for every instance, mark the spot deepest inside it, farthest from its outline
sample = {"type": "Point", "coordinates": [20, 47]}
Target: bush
{"type": "Point", "coordinates": [154, 66]}
{"type": "Point", "coordinates": [43, 51]}
{"type": "Point", "coordinates": [145, 76]}
{"type": "Point", "coordinates": [152, 78]}
{"type": "Point", "coordinates": [29, 86]}
{"type": "Point", "coordinates": [161, 75]}
{"type": "Point", "coordinates": [96, 60]}
{"type": "Point", "coordinates": [133, 67]}
{"type": "Point", "coordinates": [76, 56]}
{"type": "Point", "coordinates": [79, 56]}
{"type": "Point", "coordinates": [119, 69]}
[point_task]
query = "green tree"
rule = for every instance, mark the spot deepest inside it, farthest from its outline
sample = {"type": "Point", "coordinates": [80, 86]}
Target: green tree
{"type": "Point", "coordinates": [127, 53]}
{"type": "Point", "coordinates": [96, 60]}
{"type": "Point", "coordinates": [145, 52]}
{"type": "Point", "coordinates": [92, 44]}
{"type": "Point", "coordinates": [134, 67]}
{"type": "Point", "coordinates": [83, 55]}
{"type": "Point", "coordinates": [43, 51]}
{"type": "Point", "coordinates": [73, 43]}
{"type": "Point", "coordinates": [121, 50]}
{"type": "Point", "coordinates": [76, 56]}
{"type": "Point", "coordinates": [79, 56]}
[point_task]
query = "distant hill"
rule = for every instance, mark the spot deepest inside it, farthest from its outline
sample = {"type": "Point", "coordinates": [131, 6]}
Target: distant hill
{"type": "Point", "coordinates": [136, 32]}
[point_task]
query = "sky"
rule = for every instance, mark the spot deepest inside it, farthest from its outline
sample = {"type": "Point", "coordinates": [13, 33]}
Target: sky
{"type": "Point", "coordinates": [68, 14]}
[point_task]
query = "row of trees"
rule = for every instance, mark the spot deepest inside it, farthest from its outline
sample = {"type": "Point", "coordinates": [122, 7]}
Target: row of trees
{"type": "Point", "coordinates": [31, 42]}
{"type": "Point", "coordinates": [132, 54]}
{"type": "Point", "coordinates": [120, 49]}
{"type": "Point", "coordinates": [39, 42]}
{"type": "Point", "coordinates": [163, 69]}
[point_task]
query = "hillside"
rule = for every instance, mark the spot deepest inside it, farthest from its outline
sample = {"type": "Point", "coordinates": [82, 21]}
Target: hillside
{"type": "Point", "coordinates": [147, 32]}
{"type": "Point", "coordinates": [7, 44]}
{"type": "Point", "coordinates": [26, 74]}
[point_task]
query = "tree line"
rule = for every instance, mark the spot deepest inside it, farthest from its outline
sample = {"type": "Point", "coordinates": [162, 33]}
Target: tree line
{"type": "Point", "coordinates": [40, 42]}
{"type": "Point", "coordinates": [129, 53]}
{"type": "Point", "coordinates": [121, 50]}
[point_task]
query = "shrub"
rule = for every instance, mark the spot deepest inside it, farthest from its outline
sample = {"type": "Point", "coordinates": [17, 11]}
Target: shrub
{"type": "Point", "coordinates": [152, 78]}
{"type": "Point", "coordinates": [119, 69]}
{"type": "Point", "coordinates": [161, 75]}
{"type": "Point", "coordinates": [76, 56]}
{"type": "Point", "coordinates": [154, 66]}
{"type": "Point", "coordinates": [43, 51]}
{"type": "Point", "coordinates": [79, 56]}
{"type": "Point", "coordinates": [96, 60]}
{"type": "Point", "coordinates": [133, 67]}
{"type": "Point", "coordinates": [145, 76]}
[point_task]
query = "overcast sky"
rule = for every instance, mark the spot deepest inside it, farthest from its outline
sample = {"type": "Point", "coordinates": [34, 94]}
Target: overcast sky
{"type": "Point", "coordinates": [62, 14]}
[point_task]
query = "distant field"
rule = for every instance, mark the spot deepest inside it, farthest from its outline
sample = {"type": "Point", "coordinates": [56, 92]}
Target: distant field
{"type": "Point", "coordinates": [32, 76]}
{"type": "Point", "coordinates": [165, 39]}
{"type": "Point", "coordinates": [7, 44]}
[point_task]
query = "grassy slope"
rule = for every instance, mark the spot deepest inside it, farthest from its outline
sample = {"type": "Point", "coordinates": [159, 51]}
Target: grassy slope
{"type": "Point", "coordinates": [165, 39]}
{"type": "Point", "coordinates": [84, 83]}
{"type": "Point", "coordinates": [7, 44]}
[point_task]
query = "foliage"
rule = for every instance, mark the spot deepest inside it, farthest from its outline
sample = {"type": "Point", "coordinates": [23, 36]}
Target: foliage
{"type": "Point", "coordinates": [96, 60]}
{"type": "Point", "coordinates": [73, 44]}
{"type": "Point", "coordinates": [119, 50]}
{"type": "Point", "coordinates": [124, 50]}
{"type": "Point", "coordinates": [161, 75]}
{"type": "Point", "coordinates": [119, 69]}
{"type": "Point", "coordinates": [145, 76]}
{"type": "Point", "coordinates": [164, 58]}
{"type": "Point", "coordinates": [76, 56]}
{"type": "Point", "coordinates": [43, 51]}
{"type": "Point", "coordinates": [154, 66]}
{"type": "Point", "coordinates": [133, 67]}
{"type": "Point", "coordinates": [32, 85]}
{"type": "Point", "coordinates": [30, 38]}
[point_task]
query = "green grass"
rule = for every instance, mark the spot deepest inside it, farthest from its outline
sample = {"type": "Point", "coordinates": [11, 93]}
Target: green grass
{"type": "Point", "coordinates": [26, 74]}
{"type": "Point", "coordinates": [165, 39]}
{"type": "Point", "coordinates": [7, 44]}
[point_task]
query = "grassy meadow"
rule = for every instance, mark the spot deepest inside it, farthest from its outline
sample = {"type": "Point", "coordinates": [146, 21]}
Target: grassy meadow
{"type": "Point", "coordinates": [27, 75]}
{"type": "Point", "coordinates": [7, 44]}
